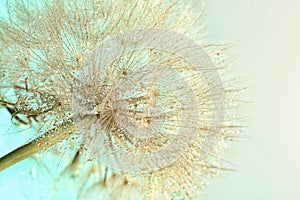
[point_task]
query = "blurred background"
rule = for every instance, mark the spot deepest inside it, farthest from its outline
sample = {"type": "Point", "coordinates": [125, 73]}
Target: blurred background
{"type": "Point", "coordinates": [266, 39]}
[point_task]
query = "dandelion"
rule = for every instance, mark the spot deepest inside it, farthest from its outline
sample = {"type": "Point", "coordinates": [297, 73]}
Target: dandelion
{"type": "Point", "coordinates": [129, 85]}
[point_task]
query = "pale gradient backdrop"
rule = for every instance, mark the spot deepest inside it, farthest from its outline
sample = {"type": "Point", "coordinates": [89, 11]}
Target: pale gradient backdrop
{"type": "Point", "coordinates": [266, 35]}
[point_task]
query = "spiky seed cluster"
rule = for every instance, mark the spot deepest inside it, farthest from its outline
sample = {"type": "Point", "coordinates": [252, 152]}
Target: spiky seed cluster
{"type": "Point", "coordinates": [138, 103]}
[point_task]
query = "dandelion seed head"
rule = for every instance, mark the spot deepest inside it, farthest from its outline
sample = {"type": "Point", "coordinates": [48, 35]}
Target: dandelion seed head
{"type": "Point", "coordinates": [141, 99]}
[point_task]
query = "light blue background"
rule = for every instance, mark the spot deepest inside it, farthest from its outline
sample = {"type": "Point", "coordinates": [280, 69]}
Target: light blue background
{"type": "Point", "coordinates": [266, 35]}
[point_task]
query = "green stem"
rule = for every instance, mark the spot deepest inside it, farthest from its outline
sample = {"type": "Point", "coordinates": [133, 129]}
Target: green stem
{"type": "Point", "coordinates": [50, 138]}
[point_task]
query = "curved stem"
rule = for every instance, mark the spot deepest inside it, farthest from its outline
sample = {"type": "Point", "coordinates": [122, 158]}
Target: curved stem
{"type": "Point", "coordinates": [39, 144]}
